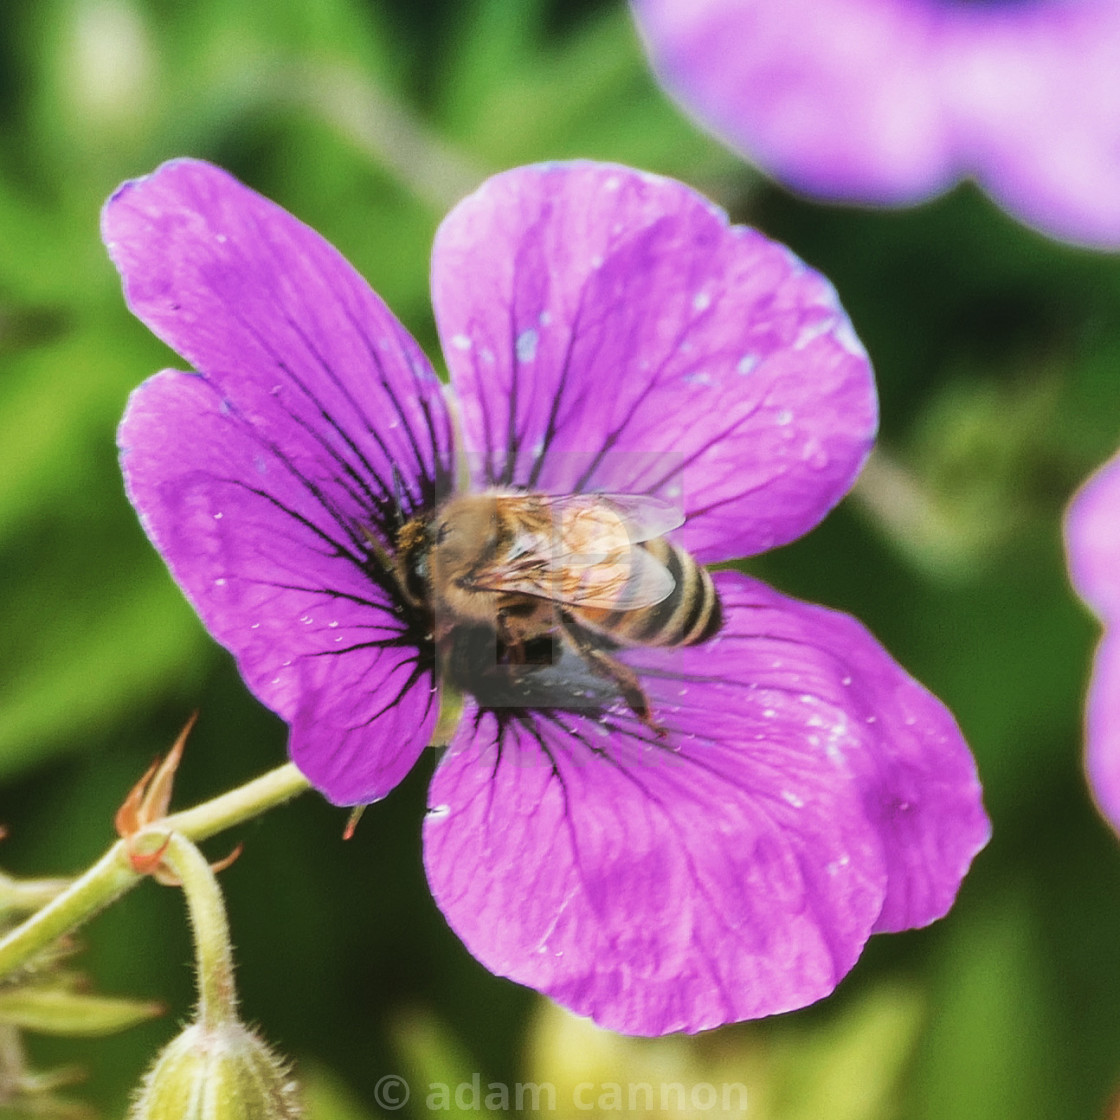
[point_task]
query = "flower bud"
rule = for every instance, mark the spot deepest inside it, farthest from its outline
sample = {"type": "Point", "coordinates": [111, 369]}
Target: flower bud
{"type": "Point", "coordinates": [224, 1072]}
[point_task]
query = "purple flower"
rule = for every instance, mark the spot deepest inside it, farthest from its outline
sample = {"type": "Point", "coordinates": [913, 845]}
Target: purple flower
{"type": "Point", "coordinates": [1093, 544]}
{"type": "Point", "coordinates": [892, 101]}
{"type": "Point", "coordinates": [605, 330]}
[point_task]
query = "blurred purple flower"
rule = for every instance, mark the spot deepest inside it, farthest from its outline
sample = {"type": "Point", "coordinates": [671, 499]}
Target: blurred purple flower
{"type": "Point", "coordinates": [1093, 545]}
{"type": "Point", "coordinates": [892, 101]}
{"type": "Point", "coordinates": [806, 792]}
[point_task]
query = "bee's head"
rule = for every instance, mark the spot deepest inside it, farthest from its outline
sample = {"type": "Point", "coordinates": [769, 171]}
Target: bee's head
{"type": "Point", "coordinates": [464, 532]}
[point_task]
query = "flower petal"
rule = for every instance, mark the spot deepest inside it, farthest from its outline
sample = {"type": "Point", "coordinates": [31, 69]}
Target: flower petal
{"type": "Point", "coordinates": [920, 792]}
{"type": "Point", "coordinates": [281, 582]}
{"type": "Point", "coordinates": [287, 331]}
{"type": "Point", "coordinates": [806, 792]}
{"type": "Point", "coordinates": [1102, 729]}
{"type": "Point", "coordinates": [838, 98]}
{"type": "Point", "coordinates": [316, 424]}
{"type": "Point", "coordinates": [1093, 541]}
{"type": "Point", "coordinates": [1093, 544]}
{"type": "Point", "coordinates": [1037, 106]}
{"type": "Point", "coordinates": [607, 330]}
{"type": "Point", "coordinates": [890, 101]}
{"type": "Point", "coordinates": [653, 890]}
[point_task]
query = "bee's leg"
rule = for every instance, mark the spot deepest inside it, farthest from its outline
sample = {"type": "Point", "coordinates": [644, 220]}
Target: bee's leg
{"type": "Point", "coordinates": [622, 676]}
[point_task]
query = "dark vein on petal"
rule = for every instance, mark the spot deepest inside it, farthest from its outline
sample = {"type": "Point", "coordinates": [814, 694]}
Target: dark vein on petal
{"type": "Point", "coordinates": [551, 428]}
{"type": "Point", "coordinates": [683, 837]}
{"type": "Point", "coordinates": [421, 499]}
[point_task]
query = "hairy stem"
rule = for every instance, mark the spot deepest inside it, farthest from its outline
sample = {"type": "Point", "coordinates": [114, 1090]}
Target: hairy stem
{"type": "Point", "coordinates": [112, 875]}
{"type": "Point", "coordinates": [217, 996]}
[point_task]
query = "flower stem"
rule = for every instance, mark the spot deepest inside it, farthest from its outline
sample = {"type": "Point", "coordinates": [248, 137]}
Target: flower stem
{"type": "Point", "coordinates": [112, 875]}
{"type": "Point", "coordinates": [217, 996]}
{"type": "Point", "coordinates": [241, 804]}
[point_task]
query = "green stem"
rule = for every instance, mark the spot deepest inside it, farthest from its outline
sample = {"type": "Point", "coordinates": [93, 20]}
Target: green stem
{"type": "Point", "coordinates": [25, 896]}
{"type": "Point", "coordinates": [217, 996]}
{"type": "Point", "coordinates": [112, 875]}
{"type": "Point", "coordinates": [241, 804]}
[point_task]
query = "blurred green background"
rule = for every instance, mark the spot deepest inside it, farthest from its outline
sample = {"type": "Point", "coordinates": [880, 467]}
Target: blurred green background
{"type": "Point", "coordinates": [998, 358]}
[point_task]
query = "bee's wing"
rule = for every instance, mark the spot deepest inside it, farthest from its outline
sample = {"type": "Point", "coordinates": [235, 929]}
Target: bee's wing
{"type": "Point", "coordinates": [582, 550]}
{"type": "Point", "coordinates": [645, 517]}
{"type": "Point", "coordinates": [628, 583]}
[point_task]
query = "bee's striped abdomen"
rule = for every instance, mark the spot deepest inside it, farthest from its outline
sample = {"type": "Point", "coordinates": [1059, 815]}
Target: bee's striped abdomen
{"type": "Point", "coordinates": [689, 613]}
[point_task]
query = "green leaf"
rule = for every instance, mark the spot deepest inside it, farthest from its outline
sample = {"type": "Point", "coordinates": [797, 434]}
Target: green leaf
{"type": "Point", "coordinates": [59, 1011]}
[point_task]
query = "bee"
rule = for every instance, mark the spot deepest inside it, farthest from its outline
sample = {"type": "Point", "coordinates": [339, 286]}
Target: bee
{"type": "Point", "coordinates": [592, 572]}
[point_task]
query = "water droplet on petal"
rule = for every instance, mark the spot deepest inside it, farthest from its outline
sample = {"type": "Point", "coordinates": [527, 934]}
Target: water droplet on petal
{"type": "Point", "coordinates": [526, 345]}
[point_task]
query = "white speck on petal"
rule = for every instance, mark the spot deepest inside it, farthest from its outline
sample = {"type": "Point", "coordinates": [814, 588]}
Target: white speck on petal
{"type": "Point", "coordinates": [461, 342]}
{"type": "Point", "coordinates": [784, 418]}
{"type": "Point", "coordinates": [220, 582]}
{"type": "Point", "coordinates": [702, 377]}
{"type": "Point", "coordinates": [746, 363]}
{"type": "Point", "coordinates": [527, 345]}
{"type": "Point", "coordinates": [701, 301]}
{"type": "Point", "coordinates": [611, 184]}
{"type": "Point", "coordinates": [815, 455]}
{"type": "Point", "coordinates": [812, 331]}
{"type": "Point", "coordinates": [846, 336]}
{"type": "Point", "coordinates": [217, 517]}
{"type": "Point", "coordinates": [791, 798]}
{"type": "Point", "coordinates": [544, 318]}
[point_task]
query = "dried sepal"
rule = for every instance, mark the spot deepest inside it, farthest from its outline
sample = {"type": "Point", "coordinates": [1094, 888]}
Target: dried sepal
{"type": "Point", "coordinates": [146, 805]}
